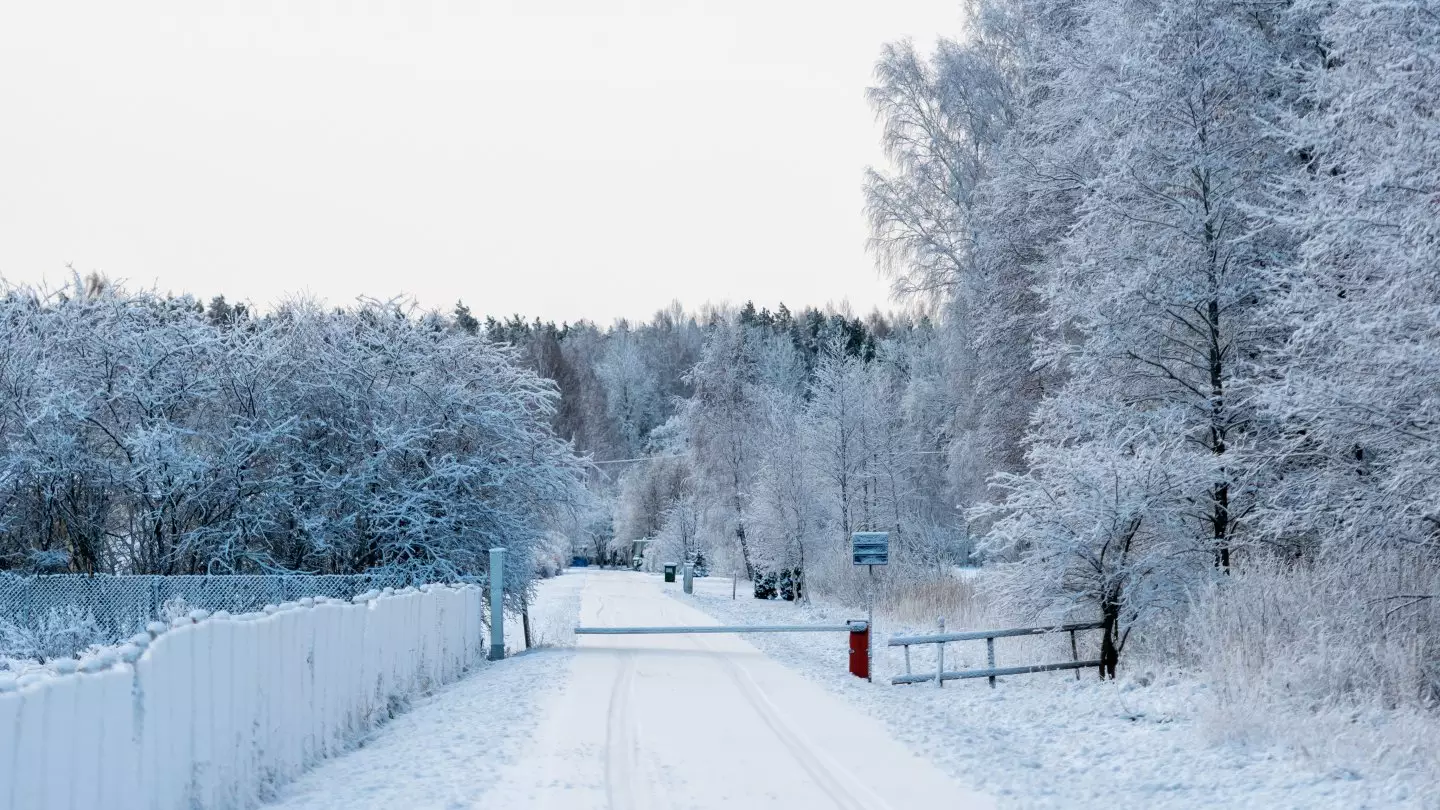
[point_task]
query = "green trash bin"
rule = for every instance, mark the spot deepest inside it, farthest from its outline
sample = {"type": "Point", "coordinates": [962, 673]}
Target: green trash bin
{"type": "Point", "coordinates": [670, 571]}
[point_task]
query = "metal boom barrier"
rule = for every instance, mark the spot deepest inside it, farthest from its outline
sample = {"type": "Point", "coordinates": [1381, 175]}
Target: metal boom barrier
{"type": "Point", "coordinates": [859, 631]}
{"type": "Point", "coordinates": [724, 628]}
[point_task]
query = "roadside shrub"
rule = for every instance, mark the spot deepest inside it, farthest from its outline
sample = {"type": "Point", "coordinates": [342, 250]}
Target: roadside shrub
{"type": "Point", "coordinates": [59, 633]}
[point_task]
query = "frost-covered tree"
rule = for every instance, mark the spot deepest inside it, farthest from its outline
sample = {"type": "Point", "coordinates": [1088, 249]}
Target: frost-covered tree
{"type": "Point", "coordinates": [1097, 527]}
{"type": "Point", "coordinates": [789, 523]}
{"type": "Point", "coordinates": [632, 392]}
{"type": "Point", "coordinates": [722, 430]}
{"type": "Point", "coordinates": [1361, 447]}
{"type": "Point", "coordinates": [942, 116]}
{"type": "Point", "coordinates": [1153, 301]}
{"type": "Point", "coordinates": [949, 223]}
{"type": "Point", "coordinates": [646, 492]}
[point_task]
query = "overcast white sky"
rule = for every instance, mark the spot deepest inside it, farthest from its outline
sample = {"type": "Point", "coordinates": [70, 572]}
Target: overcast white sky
{"type": "Point", "coordinates": [560, 158]}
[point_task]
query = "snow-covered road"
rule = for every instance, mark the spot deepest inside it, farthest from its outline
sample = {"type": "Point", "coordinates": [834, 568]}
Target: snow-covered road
{"type": "Point", "coordinates": [704, 721]}
{"type": "Point", "coordinates": [637, 722]}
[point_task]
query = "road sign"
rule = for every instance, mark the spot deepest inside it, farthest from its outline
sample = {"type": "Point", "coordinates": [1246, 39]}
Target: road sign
{"type": "Point", "coordinates": [870, 548]}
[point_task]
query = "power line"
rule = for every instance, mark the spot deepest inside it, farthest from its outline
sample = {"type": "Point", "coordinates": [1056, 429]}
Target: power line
{"type": "Point", "coordinates": [684, 455]}
{"type": "Point", "coordinates": [641, 458]}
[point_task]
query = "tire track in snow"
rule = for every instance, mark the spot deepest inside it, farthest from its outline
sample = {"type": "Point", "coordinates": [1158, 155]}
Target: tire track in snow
{"type": "Point", "coordinates": [842, 789]}
{"type": "Point", "coordinates": [826, 775]}
{"type": "Point", "coordinates": [620, 765]}
{"type": "Point", "coordinates": [630, 780]}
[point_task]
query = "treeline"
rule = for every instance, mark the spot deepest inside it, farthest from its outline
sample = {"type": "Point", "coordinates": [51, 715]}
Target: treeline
{"type": "Point", "coordinates": [759, 440]}
{"type": "Point", "coordinates": [621, 382]}
{"type": "Point", "coordinates": [150, 434]}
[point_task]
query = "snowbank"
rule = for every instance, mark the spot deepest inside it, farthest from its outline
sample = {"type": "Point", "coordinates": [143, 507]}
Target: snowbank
{"type": "Point", "coordinates": [214, 711]}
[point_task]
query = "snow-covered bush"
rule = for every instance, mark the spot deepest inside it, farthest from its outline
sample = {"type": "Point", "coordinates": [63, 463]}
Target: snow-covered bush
{"type": "Point", "coordinates": [1339, 658]}
{"type": "Point", "coordinates": [1314, 637]}
{"type": "Point", "coordinates": [63, 632]}
{"type": "Point", "coordinates": [176, 607]}
{"type": "Point", "coordinates": [141, 434]}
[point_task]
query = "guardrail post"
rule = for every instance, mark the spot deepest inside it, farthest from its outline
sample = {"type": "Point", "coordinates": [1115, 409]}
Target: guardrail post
{"type": "Point", "coordinates": [497, 604]}
{"type": "Point", "coordinates": [990, 657]}
{"type": "Point", "coordinates": [940, 659]}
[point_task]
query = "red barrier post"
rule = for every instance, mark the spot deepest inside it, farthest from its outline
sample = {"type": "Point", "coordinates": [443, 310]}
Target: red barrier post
{"type": "Point", "coordinates": [860, 649]}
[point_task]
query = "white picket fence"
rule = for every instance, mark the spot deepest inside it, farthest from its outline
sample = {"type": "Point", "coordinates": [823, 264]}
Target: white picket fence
{"type": "Point", "coordinates": [217, 710]}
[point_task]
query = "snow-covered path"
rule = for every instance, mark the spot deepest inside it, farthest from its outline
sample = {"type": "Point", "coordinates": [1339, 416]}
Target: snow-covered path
{"type": "Point", "coordinates": [634, 722]}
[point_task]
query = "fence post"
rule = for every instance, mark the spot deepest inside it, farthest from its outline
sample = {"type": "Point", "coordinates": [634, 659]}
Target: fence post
{"type": "Point", "coordinates": [1074, 653]}
{"type": "Point", "coordinates": [990, 657]}
{"type": "Point", "coordinates": [940, 659]}
{"type": "Point", "coordinates": [497, 604]}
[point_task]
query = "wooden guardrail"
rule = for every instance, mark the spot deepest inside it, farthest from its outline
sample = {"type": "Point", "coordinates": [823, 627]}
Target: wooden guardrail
{"type": "Point", "coordinates": [940, 675]}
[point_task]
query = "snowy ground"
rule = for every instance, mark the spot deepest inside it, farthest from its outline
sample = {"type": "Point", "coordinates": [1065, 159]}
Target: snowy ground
{"type": "Point", "coordinates": [633, 722]}
{"type": "Point", "coordinates": [448, 750]}
{"type": "Point", "coordinates": [1047, 740]}
{"type": "Point", "coordinates": [712, 721]}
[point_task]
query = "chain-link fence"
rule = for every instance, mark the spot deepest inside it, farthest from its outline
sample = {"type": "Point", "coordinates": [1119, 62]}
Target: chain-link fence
{"type": "Point", "coordinates": [51, 616]}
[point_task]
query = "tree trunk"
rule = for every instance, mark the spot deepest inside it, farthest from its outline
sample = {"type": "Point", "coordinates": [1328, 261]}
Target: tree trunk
{"type": "Point", "coordinates": [1219, 419]}
{"type": "Point", "coordinates": [525, 619]}
{"type": "Point", "coordinates": [1221, 521]}
{"type": "Point", "coordinates": [740, 525]}
{"type": "Point", "coordinates": [1109, 641]}
{"type": "Point", "coordinates": [1220, 493]}
{"type": "Point", "coordinates": [744, 551]}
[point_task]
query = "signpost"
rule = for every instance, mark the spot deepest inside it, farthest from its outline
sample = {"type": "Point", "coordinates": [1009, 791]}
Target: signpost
{"type": "Point", "coordinates": [870, 549]}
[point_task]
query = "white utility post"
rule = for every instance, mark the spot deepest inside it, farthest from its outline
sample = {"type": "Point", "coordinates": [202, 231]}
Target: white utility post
{"type": "Point", "coordinates": [497, 604]}
{"type": "Point", "coordinates": [689, 577]}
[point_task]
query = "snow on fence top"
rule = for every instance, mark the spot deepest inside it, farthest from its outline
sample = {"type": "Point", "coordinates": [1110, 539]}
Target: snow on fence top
{"type": "Point", "coordinates": [60, 615]}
